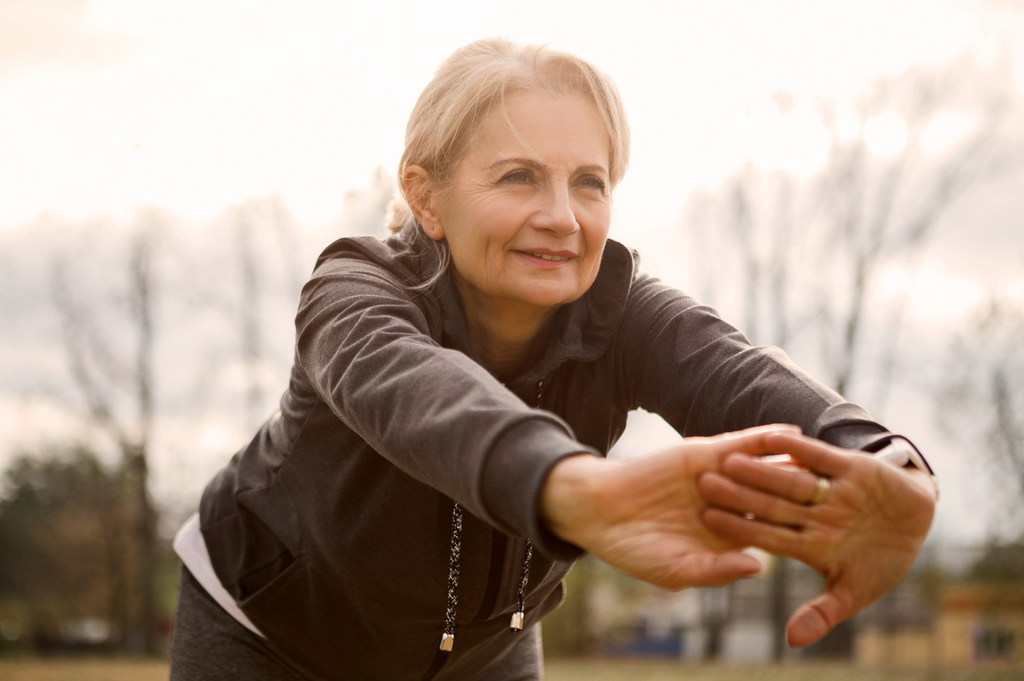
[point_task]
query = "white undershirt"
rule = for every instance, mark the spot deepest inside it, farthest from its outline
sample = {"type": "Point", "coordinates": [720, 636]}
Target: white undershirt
{"type": "Point", "coordinates": [190, 547]}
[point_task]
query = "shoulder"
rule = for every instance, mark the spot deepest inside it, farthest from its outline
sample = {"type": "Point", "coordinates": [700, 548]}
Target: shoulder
{"type": "Point", "coordinates": [605, 301]}
{"type": "Point", "coordinates": [623, 299]}
{"type": "Point", "coordinates": [408, 257]}
{"type": "Point", "coordinates": [622, 287]}
{"type": "Point", "coordinates": [356, 274]}
{"type": "Point", "coordinates": [644, 298]}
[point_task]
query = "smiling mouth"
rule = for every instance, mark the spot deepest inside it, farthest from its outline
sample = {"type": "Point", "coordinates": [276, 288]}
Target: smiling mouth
{"type": "Point", "coordinates": [545, 256]}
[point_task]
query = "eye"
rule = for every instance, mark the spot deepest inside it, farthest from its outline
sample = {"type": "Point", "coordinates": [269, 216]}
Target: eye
{"type": "Point", "coordinates": [593, 182]}
{"type": "Point", "coordinates": [517, 176]}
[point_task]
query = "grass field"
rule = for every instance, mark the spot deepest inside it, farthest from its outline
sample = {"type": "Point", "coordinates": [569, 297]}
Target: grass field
{"type": "Point", "coordinates": [557, 670]}
{"type": "Point", "coordinates": [607, 670]}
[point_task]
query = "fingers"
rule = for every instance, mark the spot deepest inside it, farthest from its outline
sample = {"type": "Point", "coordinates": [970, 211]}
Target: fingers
{"type": "Point", "coordinates": [777, 539]}
{"type": "Point", "coordinates": [814, 619]}
{"type": "Point", "coordinates": [751, 441]}
{"type": "Point", "coordinates": [758, 431]}
{"type": "Point", "coordinates": [819, 456]}
{"type": "Point", "coordinates": [789, 483]}
{"type": "Point", "coordinates": [725, 493]}
{"type": "Point", "coordinates": [695, 454]}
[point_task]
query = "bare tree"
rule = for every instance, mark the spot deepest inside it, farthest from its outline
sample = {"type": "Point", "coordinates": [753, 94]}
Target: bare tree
{"type": "Point", "coordinates": [364, 210]}
{"type": "Point", "coordinates": [117, 384]}
{"type": "Point", "coordinates": [246, 269]}
{"type": "Point", "coordinates": [804, 256]}
{"type": "Point", "coordinates": [250, 312]}
{"type": "Point", "coordinates": [876, 210]}
{"type": "Point", "coordinates": [982, 398]}
{"type": "Point", "coordinates": [258, 222]}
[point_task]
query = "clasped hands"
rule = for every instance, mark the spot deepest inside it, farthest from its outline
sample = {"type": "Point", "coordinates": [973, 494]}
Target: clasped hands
{"type": "Point", "coordinates": [681, 517]}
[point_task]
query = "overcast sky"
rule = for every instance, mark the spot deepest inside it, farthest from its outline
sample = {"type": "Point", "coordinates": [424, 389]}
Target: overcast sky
{"type": "Point", "coordinates": [197, 104]}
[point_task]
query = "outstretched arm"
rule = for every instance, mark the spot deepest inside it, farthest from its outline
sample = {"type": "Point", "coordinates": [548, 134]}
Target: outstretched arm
{"type": "Point", "coordinates": [863, 538]}
{"type": "Point", "coordinates": [642, 516]}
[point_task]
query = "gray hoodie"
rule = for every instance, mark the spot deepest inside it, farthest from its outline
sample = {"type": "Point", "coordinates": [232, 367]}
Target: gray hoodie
{"type": "Point", "coordinates": [332, 527]}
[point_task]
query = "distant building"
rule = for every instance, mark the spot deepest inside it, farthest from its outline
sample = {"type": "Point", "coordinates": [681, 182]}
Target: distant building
{"type": "Point", "coordinates": [975, 624]}
{"type": "Point", "coordinates": [942, 617]}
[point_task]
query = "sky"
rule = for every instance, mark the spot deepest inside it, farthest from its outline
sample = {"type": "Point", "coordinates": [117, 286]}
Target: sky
{"type": "Point", "coordinates": [196, 105]}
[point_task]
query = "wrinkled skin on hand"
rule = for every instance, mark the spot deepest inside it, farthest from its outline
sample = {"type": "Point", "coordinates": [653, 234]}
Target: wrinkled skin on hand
{"type": "Point", "coordinates": [642, 516]}
{"type": "Point", "coordinates": [862, 539]}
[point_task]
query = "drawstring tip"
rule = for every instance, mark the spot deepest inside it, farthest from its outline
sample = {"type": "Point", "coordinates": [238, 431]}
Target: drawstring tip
{"type": "Point", "coordinates": [447, 640]}
{"type": "Point", "coordinates": [517, 621]}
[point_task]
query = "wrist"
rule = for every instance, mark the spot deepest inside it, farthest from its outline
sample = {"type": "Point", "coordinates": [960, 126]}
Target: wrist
{"type": "Point", "coordinates": [570, 495]}
{"type": "Point", "coordinates": [924, 479]}
{"type": "Point", "coordinates": [901, 453]}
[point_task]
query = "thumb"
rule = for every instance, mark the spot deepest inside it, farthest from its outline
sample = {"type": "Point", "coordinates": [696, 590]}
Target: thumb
{"type": "Point", "coordinates": [732, 565]}
{"type": "Point", "coordinates": [814, 619]}
{"type": "Point", "coordinates": [712, 569]}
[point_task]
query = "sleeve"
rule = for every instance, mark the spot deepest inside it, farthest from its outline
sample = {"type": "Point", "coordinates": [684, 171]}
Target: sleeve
{"type": "Point", "coordinates": [366, 348]}
{"type": "Point", "coordinates": [704, 377]}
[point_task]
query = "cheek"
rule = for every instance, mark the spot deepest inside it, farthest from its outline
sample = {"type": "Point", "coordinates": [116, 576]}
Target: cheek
{"type": "Point", "coordinates": [472, 252]}
{"type": "Point", "coordinates": [597, 229]}
{"type": "Point", "coordinates": [463, 258]}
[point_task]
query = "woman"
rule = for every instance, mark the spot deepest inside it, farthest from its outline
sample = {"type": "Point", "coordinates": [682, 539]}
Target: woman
{"type": "Point", "coordinates": [437, 462]}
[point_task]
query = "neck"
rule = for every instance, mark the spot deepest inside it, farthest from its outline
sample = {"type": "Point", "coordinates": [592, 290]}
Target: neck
{"type": "Point", "coordinates": [509, 339]}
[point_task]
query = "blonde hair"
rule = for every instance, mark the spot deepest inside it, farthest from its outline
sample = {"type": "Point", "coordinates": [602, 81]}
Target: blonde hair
{"type": "Point", "coordinates": [478, 76]}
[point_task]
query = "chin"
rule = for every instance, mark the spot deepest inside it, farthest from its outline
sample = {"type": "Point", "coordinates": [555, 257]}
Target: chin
{"type": "Point", "coordinates": [547, 294]}
{"type": "Point", "coordinates": [551, 299]}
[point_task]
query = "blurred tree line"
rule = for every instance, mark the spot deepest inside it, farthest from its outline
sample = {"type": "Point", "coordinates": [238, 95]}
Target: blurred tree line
{"type": "Point", "coordinates": [981, 402]}
{"type": "Point", "coordinates": [68, 557]}
{"type": "Point", "coordinates": [159, 323]}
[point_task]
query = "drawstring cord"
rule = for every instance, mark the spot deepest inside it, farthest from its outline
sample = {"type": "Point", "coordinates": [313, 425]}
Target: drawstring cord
{"type": "Point", "coordinates": [448, 637]}
{"type": "Point", "coordinates": [519, 617]}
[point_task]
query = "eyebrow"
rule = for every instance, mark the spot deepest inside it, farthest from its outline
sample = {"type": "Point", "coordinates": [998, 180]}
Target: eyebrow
{"type": "Point", "coordinates": [536, 165]}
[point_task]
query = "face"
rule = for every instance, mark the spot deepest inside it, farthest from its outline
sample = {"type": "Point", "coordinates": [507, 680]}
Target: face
{"type": "Point", "coordinates": [528, 212]}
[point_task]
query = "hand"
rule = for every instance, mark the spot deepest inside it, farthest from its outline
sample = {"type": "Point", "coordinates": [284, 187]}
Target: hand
{"type": "Point", "coordinates": [642, 516]}
{"type": "Point", "coordinates": [862, 539]}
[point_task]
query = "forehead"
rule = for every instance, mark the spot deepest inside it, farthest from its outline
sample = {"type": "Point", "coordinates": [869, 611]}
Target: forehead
{"type": "Point", "coordinates": [554, 131]}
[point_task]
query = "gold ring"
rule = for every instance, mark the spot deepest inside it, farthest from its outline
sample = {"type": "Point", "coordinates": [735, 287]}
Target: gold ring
{"type": "Point", "coordinates": [821, 490]}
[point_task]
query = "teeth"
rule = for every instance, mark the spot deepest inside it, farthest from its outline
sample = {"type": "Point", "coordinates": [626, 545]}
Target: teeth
{"type": "Point", "coordinates": [544, 256]}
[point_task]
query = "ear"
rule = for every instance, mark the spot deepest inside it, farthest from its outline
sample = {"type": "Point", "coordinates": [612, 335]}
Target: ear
{"type": "Point", "coordinates": [423, 201]}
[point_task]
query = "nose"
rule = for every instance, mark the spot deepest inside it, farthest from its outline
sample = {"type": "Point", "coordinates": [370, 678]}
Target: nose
{"type": "Point", "coordinates": [557, 214]}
